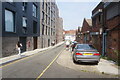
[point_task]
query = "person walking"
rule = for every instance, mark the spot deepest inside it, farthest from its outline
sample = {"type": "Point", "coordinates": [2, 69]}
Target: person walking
{"type": "Point", "coordinates": [19, 46]}
{"type": "Point", "coordinates": [53, 43]}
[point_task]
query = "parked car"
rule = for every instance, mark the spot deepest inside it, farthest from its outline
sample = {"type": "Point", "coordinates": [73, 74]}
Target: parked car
{"type": "Point", "coordinates": [85, 53]}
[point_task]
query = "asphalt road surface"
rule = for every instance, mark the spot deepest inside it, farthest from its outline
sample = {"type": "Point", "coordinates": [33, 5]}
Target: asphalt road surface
{"type": "Point", "coordinates": [44, 66]}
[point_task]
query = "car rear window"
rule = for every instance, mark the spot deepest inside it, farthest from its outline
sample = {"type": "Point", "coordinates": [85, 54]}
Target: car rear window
{"type": "Point", "coordinates": [85, 47]}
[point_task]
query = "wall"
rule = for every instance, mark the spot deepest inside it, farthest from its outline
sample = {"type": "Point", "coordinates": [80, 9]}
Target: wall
{"type": "Point", "coordinates": [9, 46]}
{"type": "Point", "coordinates": [29, 43]}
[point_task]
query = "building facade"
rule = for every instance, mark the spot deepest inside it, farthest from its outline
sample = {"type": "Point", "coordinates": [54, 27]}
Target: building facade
{"type": "Point", "coordinates": [48, 21]}
{"type": "Point", "coordinates": [59, 31]}
{"type": "Point", "coordinates": [20, 22]}
{"type": "Point", "coordinates": [97, 27]}
{"type": "Point", "coordinates": [79, 35]}
{"type": "Point", "coordinates": [86, 29]}
{"type": "Point", "coordinates": [106, 20]}
{"type": "Point", "coordinates": [112, 29]}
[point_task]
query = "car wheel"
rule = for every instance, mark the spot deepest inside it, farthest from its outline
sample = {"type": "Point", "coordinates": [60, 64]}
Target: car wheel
{"type": "Point", "coordinates": [74, 61]}
{"type": "Point", "coordinates": [96, 62]}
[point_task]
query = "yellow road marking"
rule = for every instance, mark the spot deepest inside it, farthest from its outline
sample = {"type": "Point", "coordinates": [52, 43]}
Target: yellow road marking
{"type": "Point", "coordinates": [19, 60]}
{"type": "Point", "coordinates": [48, 66]}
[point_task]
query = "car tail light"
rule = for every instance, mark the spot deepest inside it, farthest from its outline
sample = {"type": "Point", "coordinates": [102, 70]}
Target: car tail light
{"type": "Point", "coordinates": [97, 54]}
{"type": "Point", "coordinates": [78, 53]}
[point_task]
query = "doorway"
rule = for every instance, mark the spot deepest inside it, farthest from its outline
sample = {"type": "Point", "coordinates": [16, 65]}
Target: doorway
{"type": "Point", "coordinates": [35, 42]}
{"type": "Point", "coordinates": [23, 41]}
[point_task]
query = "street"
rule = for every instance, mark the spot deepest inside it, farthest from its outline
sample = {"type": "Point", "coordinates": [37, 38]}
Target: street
{"type": "Point", "coordinates": [49, 64]}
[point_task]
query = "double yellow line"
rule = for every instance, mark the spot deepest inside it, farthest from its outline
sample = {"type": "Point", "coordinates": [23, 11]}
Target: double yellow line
{"type": "Point", "coordinates": [19, 60]}
{"type": "Point", "coordinates": [48, 66]}
{"type": "Point", "coordinates": [32, 56]}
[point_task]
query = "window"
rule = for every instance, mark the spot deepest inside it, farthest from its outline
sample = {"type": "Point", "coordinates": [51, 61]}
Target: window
{"type": "Point", "coordinates": [46, 19]}
{"type": "Point", "coordinates": [42, 29]}
{"type": "Point", "coordinates": [24, 25]}
{"type": "Point", "coordinates": [42, 16]}
{"type": "Point", "coordinates": [49, 10]}
{"type": "Point", "coordinates": [46, 30]}
{"type": "Point", "coordinates": [46, 7]}
{"type": "Point", "coordinates": [100, 18]}
{"type": "Point", "coordinates": [34, 10]}
{"type": "Point", "coordinates": [43, 5]}
{"type": "Point", "coordinates": [49, 21]}
{"type": "Point", "coordinates": [49, 31]}
{"type": "Point", "coordinates": [9, 21]}
{"type": "Point", "coordinates": [24, 22]}
{"type": "Point", "coordinates": [24, 6]}
{"type": "Point", "coordinates": [34, 27]}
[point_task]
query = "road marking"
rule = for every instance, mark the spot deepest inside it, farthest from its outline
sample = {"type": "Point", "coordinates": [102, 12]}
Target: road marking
{"type": "Point", "coordinates": [19, 60]}
{"type": "Point", "coordinates": [48, 66]}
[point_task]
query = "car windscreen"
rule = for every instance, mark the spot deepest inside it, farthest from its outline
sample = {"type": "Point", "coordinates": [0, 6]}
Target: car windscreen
{"type": "Point", "coordinates": [86, 47]}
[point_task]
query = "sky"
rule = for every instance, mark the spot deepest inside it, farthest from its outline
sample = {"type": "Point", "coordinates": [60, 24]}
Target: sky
{"type": "Point", "coordinates": [74, 11]}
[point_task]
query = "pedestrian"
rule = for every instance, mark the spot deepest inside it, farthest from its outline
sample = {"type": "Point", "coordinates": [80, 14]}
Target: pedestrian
{"type": "Point", "coordinates": [19, 47]}
{"type": "Point", "coordinates": [67, 45]}
{"type": "Point", "coordinates": [53, 43]}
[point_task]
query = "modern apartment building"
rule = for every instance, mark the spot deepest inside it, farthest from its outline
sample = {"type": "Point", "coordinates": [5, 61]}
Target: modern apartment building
{"type": "Point", "coordinates": [34, 24]}
{"type": "Point", "coordinates": [48, 23]}
{"type": "Point", "coordinates": [20, 22]}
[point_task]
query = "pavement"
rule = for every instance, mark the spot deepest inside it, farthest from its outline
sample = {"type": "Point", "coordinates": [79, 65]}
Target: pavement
{"type": "Point", "coordinates": [103, 67]}
{"type": "Point", "coordinates": [25, 54]}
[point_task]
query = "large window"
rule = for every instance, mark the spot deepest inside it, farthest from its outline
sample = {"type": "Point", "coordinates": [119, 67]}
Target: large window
{"type": "Point", "coordinates": [34, 10]}
{"type": "Point", "coordinates": [24, 6]}
{"type": "Point", "coordinates": [42, 29]}
{"type": "Point", "coordinates": [9, 21]}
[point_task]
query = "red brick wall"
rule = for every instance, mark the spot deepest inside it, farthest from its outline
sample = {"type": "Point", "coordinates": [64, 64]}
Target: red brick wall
{"type": "Point", "coordinates": [112, 45]}
{"type": "Point", "coordinates": [113, 38]}
{"type": "Point", "coordinates": [85, 28]}
{"type": "Point", "coordinates": [113, 22]}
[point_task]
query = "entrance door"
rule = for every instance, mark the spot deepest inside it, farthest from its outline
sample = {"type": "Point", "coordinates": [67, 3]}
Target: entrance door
{"type": "Point", "coordinates": [23, 41]}
{"type": "Point", "coordinates": [35, 42]}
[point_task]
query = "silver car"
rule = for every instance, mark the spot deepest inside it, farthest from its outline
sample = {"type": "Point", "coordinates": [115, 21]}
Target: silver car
{"type": "Point", "coordinates": [85, 53]}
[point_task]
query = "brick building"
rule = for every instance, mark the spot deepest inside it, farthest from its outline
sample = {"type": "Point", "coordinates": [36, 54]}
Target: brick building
{"type": "Point", "coordinates": [78, 35]}
{"type": "Point", "coordinates": [106, 29]}
{"type": "Point", "coordinates": [85, 31]}
{"type": "Point", "coordinates": [97, 26]}
{"type": "Point", "coordinates": [112, 29]}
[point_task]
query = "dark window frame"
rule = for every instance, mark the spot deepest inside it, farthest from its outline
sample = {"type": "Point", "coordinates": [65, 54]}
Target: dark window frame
{"type": "Point", "coordinates": [14, 24]}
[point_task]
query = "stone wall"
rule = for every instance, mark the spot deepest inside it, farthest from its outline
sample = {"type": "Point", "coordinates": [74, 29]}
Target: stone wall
{"type": "Point", "coordinates": [9, 46]}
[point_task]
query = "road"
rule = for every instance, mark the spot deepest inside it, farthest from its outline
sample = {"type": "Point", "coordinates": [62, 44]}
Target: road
{"type": "Point", "coordinates": [44, 65]}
